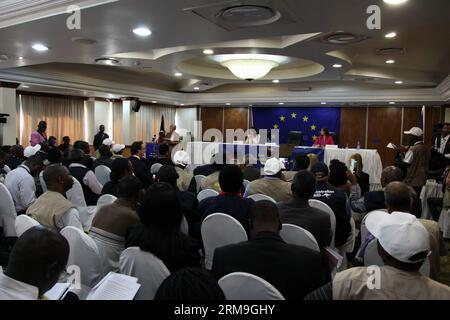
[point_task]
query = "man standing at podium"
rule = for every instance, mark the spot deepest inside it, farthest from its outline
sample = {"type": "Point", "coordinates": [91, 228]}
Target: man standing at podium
{"type": "Point", "coordinates": [172, 137]}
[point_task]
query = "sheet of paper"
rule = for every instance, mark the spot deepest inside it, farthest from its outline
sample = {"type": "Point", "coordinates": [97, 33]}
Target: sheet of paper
{"type": "Point", "coordinates": [115, 287]}
{"type": "Point", "coordinates": [335, 257]}
{"type": "Point", "coordinates": [391, 146]}
{"type": "Point", "coordinates": [58, 291]}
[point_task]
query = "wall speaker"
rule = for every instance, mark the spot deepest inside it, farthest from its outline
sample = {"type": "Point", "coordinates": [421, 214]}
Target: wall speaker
{"type": "Point", "coordinates": [135, 105]}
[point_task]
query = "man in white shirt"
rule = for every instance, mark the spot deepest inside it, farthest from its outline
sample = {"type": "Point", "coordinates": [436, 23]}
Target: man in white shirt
{"type": "Point", "coordinates": [52, 208]}
{"type": "Point", "coordinates": [36, 262]}
{"type": "Point", "coordinates": [173, 136]}
{"type": "Point", "coordinates": [252, 136]}
{"type": "Point", "coordinates": [441, 142]}
{"type": "Point", "coordinates": [21, 185]}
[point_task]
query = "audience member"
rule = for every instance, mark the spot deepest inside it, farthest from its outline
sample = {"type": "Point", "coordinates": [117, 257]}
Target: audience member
{"type": "Point", "coordinates": [160, 233]}
{"type": "Point", "coordinates": [185, 180]}
{"type": "Point", "coordinates": [403, 244]}
{"type": "Point", "coordinates": [338, 175]}
{"type": "Point", "coordinates": [65, 145]}
{"type": "Point", "coordinates": [301, 163]}
{"type": "Point", "coordinates": [190, 284]}
{"type": "Point", "coordinates": [84, 146]}
{"type": "Point", "coordinates": [313, 159]}
{"type": "Point", "coordinates": [92, 188]}
{"type": "Point", "coordinates": [4, 169]}
{"type": "Point", "coordinates": [362, 177]}
{"type": "Point", "coordinates": [39, 136]}
{"type": "Point", "coordinates": [52, 142]}
{"type": "Point", "coordinates": [249, 170]}
{"type": "Point", "coordinates": [336, 199]}
{"type": "Point", "coordinates": [16, 158]}
{"type": "Point", "coordinates": [293, 270]}
{"type": "Point", "coordinates": [120, 168]}
{"type": "Point", "coordinates": [140, 168]}
{"type": "Point", "coordinates": [100, 137]}
{"type": "Point", "coordinates": [212, 180]}
{"type": "Point", "coordinates": [105, 157]}
{"type": "Point", "coordinates": [271, 184]}
{"type": "Point", "coordinates": [300, 213]}
{"type": "Point", "coordinates": [36, 262]}
{"type": "Point", "coordinates": [163, 155]}
{"type": "Point", "coordinates": [54, 156]}
{"type": "Point", "coordinates": [52, 208]}
{"type": "Point", "coordinates": [117, 150]}
{"type": "Point", "coordinates": [20, 183]}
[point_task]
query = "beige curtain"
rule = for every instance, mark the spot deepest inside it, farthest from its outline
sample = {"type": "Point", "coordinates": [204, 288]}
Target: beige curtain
{"type": "Point", "coordinates": [64, 117]}
{"type": "Point", "coordinates": [117, 122]}
{"type": "Point", "coordinates": [148, 120]}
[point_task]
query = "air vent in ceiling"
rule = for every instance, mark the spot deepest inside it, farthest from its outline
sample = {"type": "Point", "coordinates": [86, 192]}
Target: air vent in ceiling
{"type": "Point", "coordinates": [3, 57]}
{"type": "Point", "coordinates": [361, 79]}
{"type": "Point", "coordinates": [238, 14]}
{"type": "Point", "coordinates": [340, 38]}
{"type": "Point", "coordinates": [84, 41]}
{"type": "Point", "coordinates": [300, 89]}
{"type": "Point", "coordinates": [390, 51]}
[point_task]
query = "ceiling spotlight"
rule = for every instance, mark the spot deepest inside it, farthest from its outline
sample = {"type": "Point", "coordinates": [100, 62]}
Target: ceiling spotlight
{"type": "Point", "coordinates": [276, 81]}
{"type": "Point", "coordinates": [107, 61]}
{"type": "Point", "coordinates": [39, 47]}
{"type": "Point", "coordinates": [154, 101]}
{"type": "Point", "coordinates": [181, 104]}
{"type": "Point", "coordinates": [390, 61]}
{"type": "Point", "coordinates": [227, 103]}
{"type": "Point", "coordinates": [250, 105]}
{"type": "Point", "coordinates": [20, 58]}
{"type": "Point", "coordinates": [196, 88]}
{"type": "Point", "coordinates": [142, 31]}
{"type": "Point", "coordinates": [208, 51]}
{"type": "Point", "coordinates": [323, 103]}
{"type": "Point", "coordinates": [337, 65]}
{"type": "Point", "coordinates": [395, 2]}
{"type": "Point", "coordinates": [280, 103]}
{"type": "Point", "coordinates": [399, 82]}
{"type": "Point", "coordinates": [390, 35]}
{"type": "Point", "coordinates": [177, 74]}
{"type": "Point", "coordinates": [392, 102]}
{"type": "Point", "coordinates": [25, 86]}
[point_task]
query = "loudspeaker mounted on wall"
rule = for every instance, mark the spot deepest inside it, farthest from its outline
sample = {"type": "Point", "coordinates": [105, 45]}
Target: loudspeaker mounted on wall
{"type": "Point", "coordinates": [135, 104]}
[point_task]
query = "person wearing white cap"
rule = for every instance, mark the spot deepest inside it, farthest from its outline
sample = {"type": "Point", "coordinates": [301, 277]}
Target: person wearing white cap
{"type": "Point", "coordinates": [31, 151]}
{"type": "Point", "coordinates": [403, 245]}
{"type": "Point", "coordinates": [117, 150]}
{"type": "Point", "coordinates": [416, 160]}
{"type": "Point", "coordinates": [271, 184]}
{"type": "Point", "coordinates": [108, 142]}
{"type": "Point", "coordinates": [100, 137]}
{"type": "Point", "coordinates": [185, 181]}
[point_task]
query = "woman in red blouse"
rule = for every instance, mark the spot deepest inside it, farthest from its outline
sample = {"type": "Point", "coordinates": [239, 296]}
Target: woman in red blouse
{"type": "Point", "coordinates": [324, 138]}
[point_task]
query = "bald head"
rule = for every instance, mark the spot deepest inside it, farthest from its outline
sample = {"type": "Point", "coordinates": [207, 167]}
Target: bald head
{"type": "Point", "coordinates": [57, 178]}
{"type": "Point", "coordinates": [397, 196]}
{"type": "Point", "coordinates": [391, 174]}
{"type": "Point", "coordinates": [38, 258]}
{"type": "Point", "coordinates": [264, 217]}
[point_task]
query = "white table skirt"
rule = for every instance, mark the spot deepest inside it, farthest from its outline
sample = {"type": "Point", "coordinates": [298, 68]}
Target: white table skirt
{"type": "Point", "coordinates": [431, 189]}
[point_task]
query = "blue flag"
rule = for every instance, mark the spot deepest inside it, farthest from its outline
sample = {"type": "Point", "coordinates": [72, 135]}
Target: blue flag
{"type": "Point", "coordinates": [308, 120]}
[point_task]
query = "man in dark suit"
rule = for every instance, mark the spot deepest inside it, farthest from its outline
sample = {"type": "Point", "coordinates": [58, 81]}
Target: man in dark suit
{"type": "Point", "coordinates": [441, 142]}
{"type": "Point", "coordinates": [100, 136]}
{"type": "Point", "coordinates": [293, 270]}
{"type": "Point", "coordinates": [300, 213]}
{"type": "Point", "coordinates": [140, 168]}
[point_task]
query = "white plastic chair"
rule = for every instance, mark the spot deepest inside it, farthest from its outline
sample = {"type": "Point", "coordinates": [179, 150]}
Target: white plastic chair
{"type": "Point", "coordinates": [143, 265]}
{"type": "Point", "coordinates": [198, 181]}
{"type": "Point", "coordinates": [84, 254]}
{"type": "Point", "coordinates": [23, 223]}
{"type": "Point", "coordinates": [293, 234]}
{"type": "Point", "coordinates": [372, 258]}
{"type": "Point", "coordinates": [245, 183]}
{"type": "Point", "coordinates": [363, 228]}
{"type": "Point", "coordinates": [207, 193]}
{"type": "Point", "coordinates": [155, 168]}
{"type": "Point", "coordinates": [102, 173]}
{"type": "Point", "coordinates": [260, 197]}
{"type": "Point", "coordinates": [7, 212]}
{"type": "Point", "coordinates": [218, 230]}
{"type": "Point", "coordinates": [105, 200]}
{"type": "Point", "coordinates": [246, 286]}
{"type": "Point", "coordinates": [42, 181]}
{"type": "Point", "coordinates": [326, 208]}
{"type": "Point", "coordinates": [76, 195]}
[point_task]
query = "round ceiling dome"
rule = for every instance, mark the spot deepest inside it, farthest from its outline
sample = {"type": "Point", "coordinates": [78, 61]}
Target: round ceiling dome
{"type": "Point", "coordinates": [248, 15]}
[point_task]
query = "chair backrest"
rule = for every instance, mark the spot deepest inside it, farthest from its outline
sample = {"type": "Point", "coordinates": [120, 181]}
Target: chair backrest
{"type": "Point", "coordinates": [7, 212]}
{"type": "Point", "coordinates": [293, 234]}
{"type": "Point", "coordinates": [76, 195]}
{"type": "Point", "coordinates": [371, 258]}
{"type": "Point", "coordinates": [23, 223]}
{"type": "Point", "coordinates": [246, 286]}
{"type": "Point", "coordinates": [326, 208]}
{"type": "Point", "coordinates": [155, 168]}
{"type": "Point", "coordinates": [184, 227]}
{"type": "Point", "coordinates": [105, 199]}
{"type": "Point", "coordinates": [261, 197]}
{"type": "Point", "coordinates": [84, 254]}
{"type": "Point", "coordinates": [198, 181]}
{"type": "Point", "coordinates": [42, 181]}
{"type": "Point", "coordinates": [143, 265]}
{"type": "Point", "coordinates": [218, 230]}
{"type": "Point", "coordinates": [245, 183]}
{"type": "Point", "coordinates": [102, 173]}
{"type": "Point", "coordinates": [207, 193]}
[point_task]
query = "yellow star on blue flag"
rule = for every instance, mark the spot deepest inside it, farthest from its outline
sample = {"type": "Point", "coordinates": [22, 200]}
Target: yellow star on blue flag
{"type": "Point", "coordinates": [293, 115]}
{"type": "Point", "coordinates": [313, 127]}
{"type": "Point", "coordinates": [282, 118]}
{"type": "Point", "coordinates": [314, 137]}
{"type": "Point", "coordinates": [275, 126]}
{"type": "Point", "coordinates": [305, 119]}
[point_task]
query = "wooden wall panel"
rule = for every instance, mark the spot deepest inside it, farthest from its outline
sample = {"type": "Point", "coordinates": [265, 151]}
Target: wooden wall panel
{"type": "Point", "coordinates": [384, 127]}
{"type": "Point", "coordinates": [353, 126]}
{"type": "Point", "coordinates": [411, 118]}
{"type": "Point", "coordinates": [211, 117]}
{"type": "Point", "coordinates": [236, 118]}
{"type": "Point", "coordinates": [433, 115]}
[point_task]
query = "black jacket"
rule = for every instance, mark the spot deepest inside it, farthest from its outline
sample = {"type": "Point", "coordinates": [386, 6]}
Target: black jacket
{"type": "Point", "coordinates": [141, 171]}
{"type": "Point", "coordinates": [105, 161]}
{"type": "Point", "coordinates": [98, 139]}
{"type": "Point", "coordinates": [294, 270]}
{"type": "Point", "coordinates": [299, 213]}
{"type": "Point", "coordinates": [205, 170]}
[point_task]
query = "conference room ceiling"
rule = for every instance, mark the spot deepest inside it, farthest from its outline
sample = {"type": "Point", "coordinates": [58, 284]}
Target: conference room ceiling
{"type": "Point", "coordinates": [182, 30]}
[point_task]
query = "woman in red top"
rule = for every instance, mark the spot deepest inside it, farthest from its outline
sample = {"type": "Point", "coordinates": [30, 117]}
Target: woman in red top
{"type": "Point", "coordinates": [324, 138]}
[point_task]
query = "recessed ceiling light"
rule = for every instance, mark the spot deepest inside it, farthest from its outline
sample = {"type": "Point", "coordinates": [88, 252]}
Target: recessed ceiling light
{"type": "Point", "coordinates": [39, 47]}
{"type": "Point", "coordinates": [107, 61]}
{"type": "Point", "coordinates": [280, 103]}
{"type": "Point", "coordinates": [228, 103]}
{"type": "Point", "coordinates": [337, 65]}
{"type": "Point", "coordinates": [323, 103]}
{"type": "Point", "coordinates": [250, 105]}
{"type": "Point", "coordinates": [181, 104]}
{"type": "Point", "coordinates": [196, 88]}
{"type": "Point", "coordinates": [177, 74]}
{"type": "Point", "coordinates": [390, 35]}
{"type": "Point", "coordinates": [390, 61]}
{"type": "Point", "coordinates": [395, 2]}
{"type": "Point", "coordinates": [392, 102]}
{"type": "Point", "coordinates": [142, 31]}
{"type": "Point", "coordinates": [24, 86]}
{"type": "Point", "coordinates": [20, 58]}
{"type": "Point", "coordinates": [275, 81]}
{"type": "Point", "coordinates": [208, 51]}
{"type": "Point", "coordinates": [399, 82]}
{"type": "Point", "coordinates": [154, 101]}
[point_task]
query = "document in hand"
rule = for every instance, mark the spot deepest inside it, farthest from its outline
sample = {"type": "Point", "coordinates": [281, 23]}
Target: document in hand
{"type": "Point", "coordinates": [392, 146]}
{"type": "Point", "coordinates": [115, 286]}
{"type": "Point", "coordinates": [334, 257]}
{"type": "Point", "coordinates": [58, 291]}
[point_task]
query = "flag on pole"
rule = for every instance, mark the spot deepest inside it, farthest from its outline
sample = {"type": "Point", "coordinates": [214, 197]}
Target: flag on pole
{"type": "Point", "coordinates": [161, 128]}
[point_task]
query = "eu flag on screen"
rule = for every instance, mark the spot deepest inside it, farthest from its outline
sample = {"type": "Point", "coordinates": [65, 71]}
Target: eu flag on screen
{"type": "Point", "coordinates": [308, 120]}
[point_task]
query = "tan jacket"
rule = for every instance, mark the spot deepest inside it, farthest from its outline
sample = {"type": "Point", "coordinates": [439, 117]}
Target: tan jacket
{"type": "Point", "coordinates": [49, 208]}
{"type": "Point", "coordinates": [184, 179]}
{"type": "Point", "coordinates": [435, 259]}
{"type": "Point", "coordinates": [417, 173]}
{"type": "Point", "coordinates": [211, 182]}
{"type": "Point", "coordinates": [275, 188]}
{"type": "Point", "coordinates": [395, 284]}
